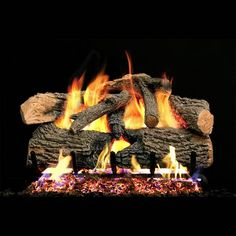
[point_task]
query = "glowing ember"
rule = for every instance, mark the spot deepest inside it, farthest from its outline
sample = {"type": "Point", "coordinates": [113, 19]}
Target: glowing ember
{"type": "Point", "coordinates": [116, 186]}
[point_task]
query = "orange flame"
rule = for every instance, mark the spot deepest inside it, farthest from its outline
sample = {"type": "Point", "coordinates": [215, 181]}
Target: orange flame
{"type": "Point", "coordinates": [92, 95]}
{"type": "Point", "coordinates": [72, 104]}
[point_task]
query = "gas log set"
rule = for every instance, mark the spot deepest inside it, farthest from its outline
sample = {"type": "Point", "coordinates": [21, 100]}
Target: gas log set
{"type": "Point", "coordinates": [120, 137]}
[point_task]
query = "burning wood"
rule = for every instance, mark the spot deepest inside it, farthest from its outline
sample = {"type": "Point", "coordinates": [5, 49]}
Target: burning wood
{"type": "Point", "coordinates": [133, 122]}
{"type": "Point", "coordinates": [111, 103]}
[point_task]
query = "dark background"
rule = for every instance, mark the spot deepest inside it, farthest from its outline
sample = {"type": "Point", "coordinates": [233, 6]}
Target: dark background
{"type": "Point", "coordinates": [202, 68]}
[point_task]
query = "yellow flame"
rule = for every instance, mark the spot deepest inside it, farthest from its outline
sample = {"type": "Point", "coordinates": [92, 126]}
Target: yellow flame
{"type": "Point", "coordinates": [166, 117]}
{"type": "Point", "coordinates": [61, 168]}
{"type": "Point", "coordinates": [119, 145]}
{"type": "Point", "coordinates": [93, 94]}
{"type": "Point", "coordinates": [72, 104]}
{"type": "Point", "coordinates": [103, 161]}
{"type": "Point", "coordinates": [173, 164]}
{"type": "Point", "coordinates": [134, 163]}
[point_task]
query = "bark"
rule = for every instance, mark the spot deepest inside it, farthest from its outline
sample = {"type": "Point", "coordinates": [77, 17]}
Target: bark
{"type": "Point", "coordinates": [195, 112]}
{"type": "Point", "coordinates": [151, 116]}
{"type": "Point", "coordinates": [111, 103]}
{"type": "Point", "coordinates": [47, 140]}
{"type": "Point", "coordinates": [43, 107]}
{"type": "Point", "coordinates": [157, 140]}
{"type": "Point", "coordinates": [116, 123]}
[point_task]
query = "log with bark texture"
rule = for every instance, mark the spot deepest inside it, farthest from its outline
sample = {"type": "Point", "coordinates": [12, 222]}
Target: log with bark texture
{"type": "Point", "coordinates": [43, 107]}
{"type": "Point", "coordinates": [47, 107]}
{"type": "Point", "coordinates": [150, 104]}
{"type": "Point", "coordinates": [111, 103]}
{"type": "Point", "coordinates": [157, 140]}
{"type": "Point", "coordinates": [195, 112]}
{"type": "Point", "coordinates": [47, 140]}
{"type": "Point", "coordinates": [116, 123]}
{"type": "Point", "coordinates": [125, 83]}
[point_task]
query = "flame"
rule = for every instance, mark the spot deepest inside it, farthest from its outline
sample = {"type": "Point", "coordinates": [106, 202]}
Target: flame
{"type": "Point", "coordinates": [135, 165]}
{"type": "Point", "coordinates": [172, 164]}
{"type": "Point", "coordinates": [119, 145]}
{"type": "Point", "coordinates": [103, 161]}
{"type": "Point", "coordinates": [166, 116]}
{"type": "Point", "coordinates": [61, 168]}
{"type": "Point", "coordinates": [72, 104]}
{"type": "Point", "coordinates": [93, 94]}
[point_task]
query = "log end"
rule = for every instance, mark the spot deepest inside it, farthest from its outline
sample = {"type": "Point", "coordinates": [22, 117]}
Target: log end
{"type": "Point", "coordinates": [205, 122]}
{"type": "Point", "coordinates": [151, 121]}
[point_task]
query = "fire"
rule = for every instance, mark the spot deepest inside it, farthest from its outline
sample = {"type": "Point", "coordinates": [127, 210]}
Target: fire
{"type": "Point", "coordinates": [119, 145]}
{"type": "Point", "coordinates": [173, 165]}
{"type": "Point", "coordinates": [135, 165]}
{"type": "Point", "coordinates": [92, 95]}
{"type": "Point", "coordinates": [72, 104]}
{"type": "Point", "coordinates": [103, 161]}
{"type": "Point", "coordinates": [63, 167]}
{"type": "Point", "coordinates": [166, 116]}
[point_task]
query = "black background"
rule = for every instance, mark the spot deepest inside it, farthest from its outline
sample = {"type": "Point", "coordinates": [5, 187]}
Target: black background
{"type": "Point", "coordinates": [202, 68]}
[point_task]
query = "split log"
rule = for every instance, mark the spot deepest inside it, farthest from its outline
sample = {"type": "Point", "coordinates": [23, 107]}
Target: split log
{"type": "Point", "coordinates": [43, 107]}
{"type": "Point", "coordinates": [111, 103]}
{"type": "Point", "coordinates": [151, 116]}
{"type": "Point", "coordinates": [158, 140]}
{"type": "Point", "coordinates": [48, 139]}
{"type": "Point", "coordinates": [116, 123]}
{"type": "Point", "coordinates": [195, 112]}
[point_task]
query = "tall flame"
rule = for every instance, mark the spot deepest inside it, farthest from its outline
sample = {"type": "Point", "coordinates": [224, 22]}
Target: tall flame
{"type": "Point", "coordinates": [63, 167]}
{"type": "Point", "coordinates": [134, 111]}
{"type": "Point", "coordinates": [103, 161]}
{"type": "Point", "coordinates": [172, 164]}
{"type": "Point", "coordinates": [134, 163]}
{"type": "Point", "coordinates": [93, 94]}
{"type": "Point", "coordinates": [72, 104]}
{"type": "Point", "coordinates": [166, 116]}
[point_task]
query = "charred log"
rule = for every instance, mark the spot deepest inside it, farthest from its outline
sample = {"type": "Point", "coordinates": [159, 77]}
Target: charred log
{"type": "Point", "coordinates": [158, 140]}
{"type": "Point", "coordinates": [151, 116]}
{"type": "Point", "coordinates": [116, 123]}
{"type": "Point", "coordinates": [195, 112]}
{"type": "Point", "coordinates": [111, 103]}
{"type": "Point", "coordinates": [47, 140]}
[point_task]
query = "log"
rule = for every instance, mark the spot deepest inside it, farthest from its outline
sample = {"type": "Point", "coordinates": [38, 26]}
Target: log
{"type": "Point", "coordinates": [151, 116]}
{"type": "Point", "coordinates": [46, 107]}
{"type": "Point", "coordinates": [116, 123]}
{"type": "Point", "coordinates": [125, 83]}
{"type": "Point", "coordinates": [195, 112]}
{"type": "Point", "coordinates": [48, 139]}
{"type": "Point", "coordinates": [43, 107]}
{"type": "Point", "coordinates": [157, 140]}
{"type": "Point", "coordinates": [111, 103]}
